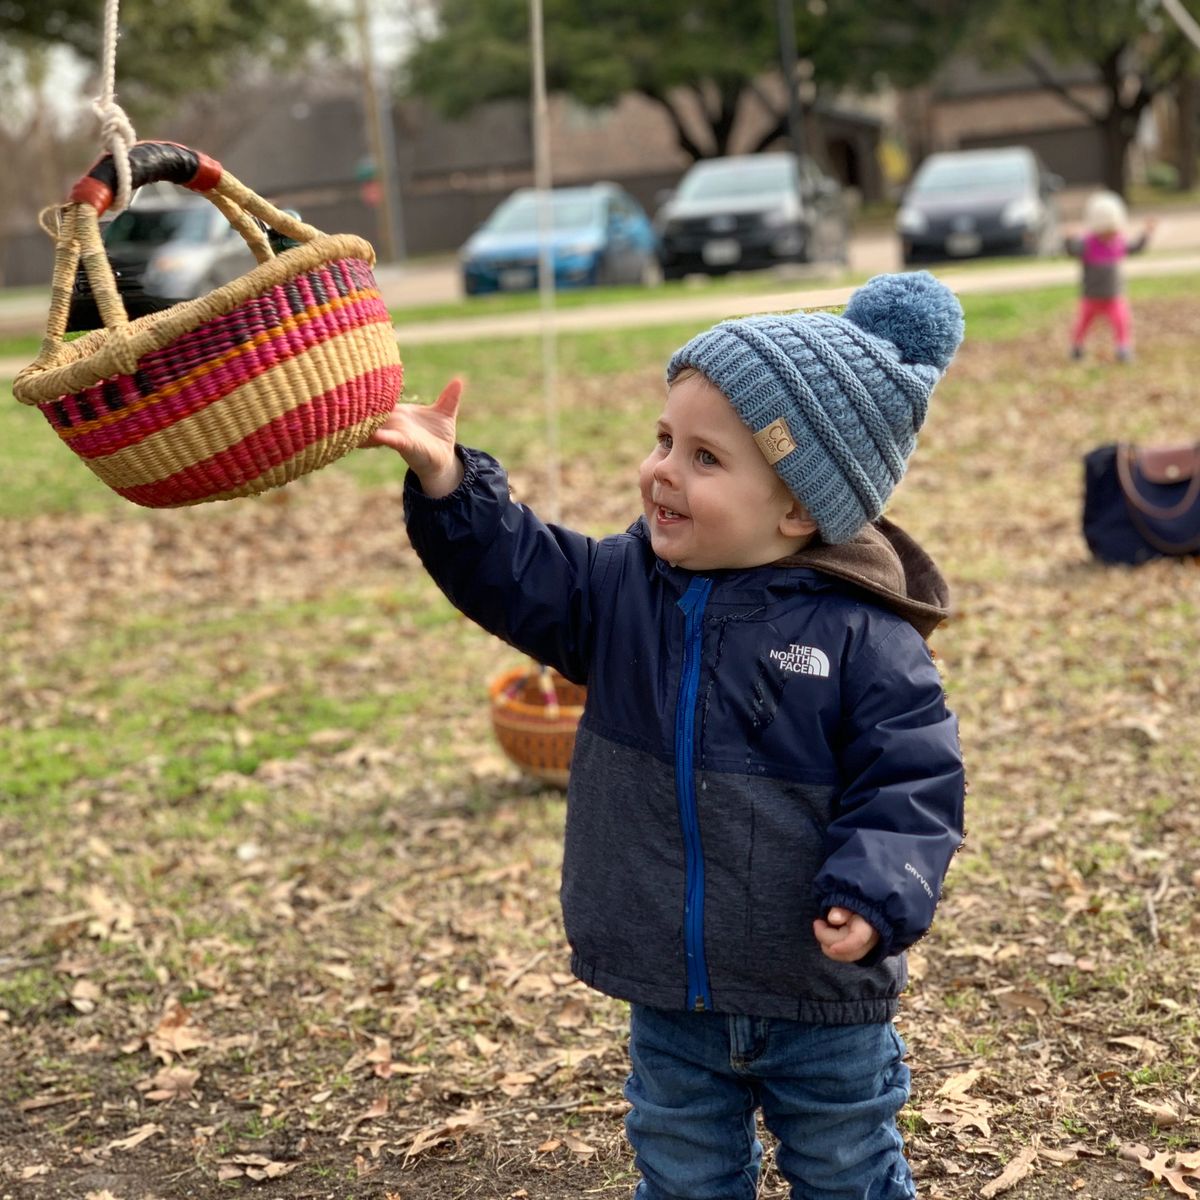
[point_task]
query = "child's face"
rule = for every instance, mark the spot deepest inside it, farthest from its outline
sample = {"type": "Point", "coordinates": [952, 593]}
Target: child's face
{"type": "Point", "coordinates": [710, 498]}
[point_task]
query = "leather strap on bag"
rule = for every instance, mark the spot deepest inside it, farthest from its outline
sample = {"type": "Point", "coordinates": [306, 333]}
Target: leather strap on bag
{"type": "Point", "coordinates": [1160, 465]}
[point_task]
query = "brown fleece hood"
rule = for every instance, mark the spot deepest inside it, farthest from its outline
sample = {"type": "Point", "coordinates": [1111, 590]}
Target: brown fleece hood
{"type": "Point", "coordinates": [883, 560]}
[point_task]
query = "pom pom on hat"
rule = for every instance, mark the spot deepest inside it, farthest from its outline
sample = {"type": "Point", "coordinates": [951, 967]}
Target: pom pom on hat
{"type": "Point", "coordinates": [916, 313]}
{"type": "Point", "coordinates": [835, 402]}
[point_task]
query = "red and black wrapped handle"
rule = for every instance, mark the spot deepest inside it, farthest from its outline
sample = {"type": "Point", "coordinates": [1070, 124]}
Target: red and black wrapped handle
{"type": "Point", "coordinates": [149, 162]}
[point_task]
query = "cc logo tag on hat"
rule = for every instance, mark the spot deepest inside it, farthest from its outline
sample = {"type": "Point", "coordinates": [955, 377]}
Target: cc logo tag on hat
{"type": "Point", "coordinates": [775, 441]}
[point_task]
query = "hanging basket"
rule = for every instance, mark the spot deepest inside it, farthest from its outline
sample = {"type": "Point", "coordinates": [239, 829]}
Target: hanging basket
{"type": "Point", "coordinates": [261, 381]}
{"type": "Point", "coordinates": [535, 713]}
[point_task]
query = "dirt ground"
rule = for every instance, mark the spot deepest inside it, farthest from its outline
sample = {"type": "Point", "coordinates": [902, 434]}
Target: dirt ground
{"type": "Point", "coordinates": [353, 985]}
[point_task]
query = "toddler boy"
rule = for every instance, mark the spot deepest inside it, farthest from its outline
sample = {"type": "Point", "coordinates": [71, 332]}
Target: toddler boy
{"type": "Point", "coordinates": [767, 787]}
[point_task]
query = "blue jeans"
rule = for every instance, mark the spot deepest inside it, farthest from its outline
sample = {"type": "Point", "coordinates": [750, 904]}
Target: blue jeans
{"type": "Point", "coordinates": [829, 1094]}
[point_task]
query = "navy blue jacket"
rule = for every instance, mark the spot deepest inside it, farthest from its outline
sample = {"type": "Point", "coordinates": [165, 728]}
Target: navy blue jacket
{"type": "Point", "coordinates": [757, 745]}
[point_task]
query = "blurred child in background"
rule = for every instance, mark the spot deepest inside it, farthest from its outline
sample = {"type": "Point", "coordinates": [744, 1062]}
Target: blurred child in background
{"type": "Point", "coordinates": [1102, 248]}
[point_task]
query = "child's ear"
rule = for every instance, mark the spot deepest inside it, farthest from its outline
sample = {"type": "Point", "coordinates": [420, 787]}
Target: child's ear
{"type": "Point", "coordinates": [796, 523]}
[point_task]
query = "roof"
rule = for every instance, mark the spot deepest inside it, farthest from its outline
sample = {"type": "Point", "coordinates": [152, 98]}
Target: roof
{"type": "Point", "coordinates": [963, 76]}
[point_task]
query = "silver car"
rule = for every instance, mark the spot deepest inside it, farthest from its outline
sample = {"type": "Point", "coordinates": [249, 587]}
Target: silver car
{"type": "Point", "coordinates": [172, 245]}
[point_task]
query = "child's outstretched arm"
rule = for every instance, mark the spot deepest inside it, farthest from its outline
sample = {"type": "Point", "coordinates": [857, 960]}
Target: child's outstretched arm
{"type": "Point", "coordinates": [496, 561]}
{"type": "Point", "coordinates": [424, 436]}
{"type": "Point", "coordinates": [1139, 244]}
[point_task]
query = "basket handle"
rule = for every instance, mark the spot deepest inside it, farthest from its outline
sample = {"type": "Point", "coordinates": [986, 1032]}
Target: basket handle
{"type": "Point", "coordinates": [150, 162]}
{"type": "Point", "coordinates": [548, 691]}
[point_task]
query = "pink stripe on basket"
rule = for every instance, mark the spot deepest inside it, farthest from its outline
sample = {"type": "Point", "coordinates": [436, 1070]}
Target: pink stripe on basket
{"type": "Point", "coordinates": [284, 307]}
{"type": "Point", "coordinates": [159, 411]}
{"type": "Point", "coordinates": [272, 444]}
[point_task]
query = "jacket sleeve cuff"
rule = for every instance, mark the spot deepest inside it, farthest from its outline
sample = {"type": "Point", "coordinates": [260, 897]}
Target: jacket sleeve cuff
{"type": "Point", "coordinates": [414, 495]}
{"type": "Point", "coordinates": [885, 947]}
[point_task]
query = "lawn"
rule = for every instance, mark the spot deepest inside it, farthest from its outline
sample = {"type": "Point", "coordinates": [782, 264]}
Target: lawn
{"type": "Point", "coordinates": [276, 914]}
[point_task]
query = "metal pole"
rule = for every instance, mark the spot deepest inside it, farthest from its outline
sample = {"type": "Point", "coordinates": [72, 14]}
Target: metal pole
{"type": "Point", "coordinates": [382, 144]}
{"type": "Point", "coordinates": [390, 176]}
{"type": "Point", "coordinates": [1184, 20]}
{"type": "Point", "coordinates": [786, 17]}
{"type": "Point", "coordinates": [541, 179]}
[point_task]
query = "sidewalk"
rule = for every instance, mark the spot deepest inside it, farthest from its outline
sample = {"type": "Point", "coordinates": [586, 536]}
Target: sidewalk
{"type": "Point", "coordinates": [700, 309]}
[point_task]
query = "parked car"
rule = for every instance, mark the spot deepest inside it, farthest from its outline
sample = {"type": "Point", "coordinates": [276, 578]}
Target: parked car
{"type": "Point", "coordinates": [751, 210]}
{"type": "Point", "coordinates": [600, 235]}
{"type": "Point", "coordinates": [168, 245]}
{"type": "Point", "coordinates": [963, 203]}
{"type": "Point", "coordinates": [175, 244]}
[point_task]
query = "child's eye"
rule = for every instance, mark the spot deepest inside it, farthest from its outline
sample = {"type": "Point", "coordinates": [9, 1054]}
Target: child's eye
{"type": "Point", "coordinates": [664, 441]}
{"type": "Point", "coordinates": [707, 458]}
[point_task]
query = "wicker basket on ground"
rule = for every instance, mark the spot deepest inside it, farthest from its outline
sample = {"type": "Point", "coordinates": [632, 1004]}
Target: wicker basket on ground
{"type": "Point", "coordinates": [535, 713]}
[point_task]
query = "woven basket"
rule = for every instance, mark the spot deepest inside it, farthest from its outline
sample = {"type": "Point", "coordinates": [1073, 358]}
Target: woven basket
{"type": "Point", "coordinates": [535, 713]}
{"type": "Point", "coordinates": [261, 381]}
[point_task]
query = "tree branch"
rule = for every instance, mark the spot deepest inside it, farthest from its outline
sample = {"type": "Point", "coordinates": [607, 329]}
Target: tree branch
{"type": "Point", "coordinates": [729, 93]}
{"type": "Point", "coordinates": [686, 144]}
{"type": "Point", "coordinates": [756, 90]}
{"type": "Point", "coordinates": [1160, 68]}
{"type": "Point", "coordinates": [779, 120]}
{"type": "Point", "coordinates": [1048, 80]}
{"type": "Point", "coordinates": [776, 131]}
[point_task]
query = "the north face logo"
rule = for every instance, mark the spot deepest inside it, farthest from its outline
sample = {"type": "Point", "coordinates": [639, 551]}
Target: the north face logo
{"type": "Point", "coordinates": [802, 660]}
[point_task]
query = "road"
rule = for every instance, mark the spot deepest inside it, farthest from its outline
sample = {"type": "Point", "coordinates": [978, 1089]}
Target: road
{"type": "Point", "coordinates": [1175, 249]}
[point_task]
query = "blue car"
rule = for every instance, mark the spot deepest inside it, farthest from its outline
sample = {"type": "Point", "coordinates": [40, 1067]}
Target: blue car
{"type": "Point", "coordinates": [599, 235]}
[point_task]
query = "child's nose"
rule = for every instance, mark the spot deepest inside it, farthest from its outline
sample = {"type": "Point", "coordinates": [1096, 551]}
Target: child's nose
{"type": "Point", "coordinates": [664, 468]}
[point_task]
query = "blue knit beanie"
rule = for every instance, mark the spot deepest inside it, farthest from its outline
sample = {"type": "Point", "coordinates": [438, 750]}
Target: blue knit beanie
{"type": "Point", "coordinates": [835, 402]}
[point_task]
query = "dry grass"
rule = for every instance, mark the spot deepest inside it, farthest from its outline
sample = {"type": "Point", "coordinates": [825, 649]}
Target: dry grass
{"type": "Point", "coordinates": [272, 904]}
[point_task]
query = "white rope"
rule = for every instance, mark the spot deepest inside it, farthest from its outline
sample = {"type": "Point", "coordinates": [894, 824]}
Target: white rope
{"type": "Point", "coordinates": [546, 281]}
{"type": "Point", "coordinates": [1184, 20]}
{"type": "Point", "coordinates": [116, 130]}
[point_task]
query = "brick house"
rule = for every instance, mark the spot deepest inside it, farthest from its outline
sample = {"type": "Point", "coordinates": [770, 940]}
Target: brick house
{"type": "Point", "coordinates": [965, 107]}
{"type": "Point", "coordinates": [307, 150]}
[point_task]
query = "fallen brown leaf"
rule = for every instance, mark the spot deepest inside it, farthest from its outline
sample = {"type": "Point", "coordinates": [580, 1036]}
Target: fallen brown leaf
{"type": "Point", "coordinates": [1163, 1115]}
{"type": "Point", "coordinates": [174, 1034]}
{"type": "Point", "coordinates": [1013, 1173]}
{"type": "Point", "coordinates": [1171, 1169]}
{"type": "Point", "coordinates": [36, 1102]}
{"type": "Point", "coordinates": [1149, 1050]}
{"type": "Point", "coordinates": [171, 1083]}
{"type": "Point", "coordinates": [578, 1146]}
{"type": "Point", "coordinates": [136, 1138]}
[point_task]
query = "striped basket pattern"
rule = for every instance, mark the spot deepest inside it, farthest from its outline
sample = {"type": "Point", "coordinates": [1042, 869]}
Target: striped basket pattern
{"type": "Point", "coordinates": [196, 421]}
{"type": "Point", "coordinates": [535, 713]}
{"type": "Point", "coordinates": [270, 377]}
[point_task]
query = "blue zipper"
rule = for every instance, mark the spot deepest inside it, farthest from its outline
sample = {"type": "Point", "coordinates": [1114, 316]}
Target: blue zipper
{"type": "Point", "coordinates": [692, 603]}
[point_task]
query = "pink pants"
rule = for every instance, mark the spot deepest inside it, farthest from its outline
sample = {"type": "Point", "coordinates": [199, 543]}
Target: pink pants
{"type": "Point", "coordinates": [1116, 311]}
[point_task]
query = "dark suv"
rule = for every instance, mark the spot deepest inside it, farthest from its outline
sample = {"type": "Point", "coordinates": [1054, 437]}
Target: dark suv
{"type": "Point", "coordinates": [748, 211]}
{"type": "Point", "coordinates": [962, 203]}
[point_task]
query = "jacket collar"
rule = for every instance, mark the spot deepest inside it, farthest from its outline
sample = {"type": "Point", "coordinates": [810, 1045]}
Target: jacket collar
{"type": "Point", "coordinates": [881, 560]}
{"type": "Point", "coordinates": [885, 561]}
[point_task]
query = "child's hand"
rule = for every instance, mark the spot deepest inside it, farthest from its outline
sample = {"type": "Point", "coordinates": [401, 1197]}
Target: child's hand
{"type": "Point", "coordinates": [424, 436]}
{"type": "Point", "coordinates": [844, 935]}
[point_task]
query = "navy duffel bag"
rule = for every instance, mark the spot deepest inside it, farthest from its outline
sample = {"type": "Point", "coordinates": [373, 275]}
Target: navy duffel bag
{"type": "Point", "coordinates": [1141, 502]}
